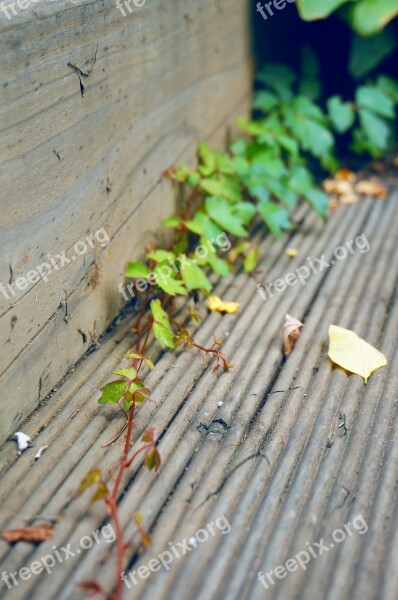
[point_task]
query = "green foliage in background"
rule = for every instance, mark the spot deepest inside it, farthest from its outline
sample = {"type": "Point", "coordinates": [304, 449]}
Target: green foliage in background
{"type": "Point", "coordinates": [366, 17]}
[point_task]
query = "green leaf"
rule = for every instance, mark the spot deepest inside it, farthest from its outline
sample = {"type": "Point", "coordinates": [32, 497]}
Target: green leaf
{"type": "Point", "coordinates": [341, 113]}
{"type": "Point", "coordinates": [194, 226]}
{"type": "Point", "coordinates": [373, 99]}
{"type": "Point", "coordinates": [172, 222]}
{"type": "Point", "coordinates": [161, 326]}
{"type": "Point", "coordinates": [313, 137]}
{"type": "Point", "coordinates": [319, 201]}
{"type": "Point", "coordinates": [101, 493]}
{"type": "Point", "coordinates": [300, 180]}
{"type": "Point", "coordinates": [153, 460]}
{"type": "Point", "coordinates": [265, 101]}
{"type": "Point", "coordinates": [224, 164]}
{"type": "Point", "coordinates": [251, 259]}
{"type": "Point", "coordinates": [375, 128]}
{"type": "Point", "coordinates": [218, 265]}
{"type": "Point", "coordinates": [210, 229]}
{"type": "Point", "coordinates": [276, 217]}
{"type": "Point", "coordinates": [268, 162]}
{"type": "Point", "coordinates": [140, 356]}
{"type": "Point", "coordinates": [222, 186]}
{"type": "Point", "coordinates": [207, 158]}
{"type": "Point", "coordinates": [89, 480]}
{"type": "Point", "coordinates": [167, 281]}
{"type": "Point", "coordinates": [222, 213]}
{"type": "Point", "coordinates": [245, 211]}
{"type": "Point", "coordinates": [137, 270]}
{"type": "Point", "coordinates": [112, 392]}
{"type": "Point", "coordinates": [279, 78]}
{"type": "Point", "coordinates": [312, 10]}
{"type": "Point", "coordinates": [194, 277]}
{"type": "Point", "coordinates": [160, 255]}
{"type": "Point", "coordinates": [370, 16]}
{"type": "Point", "coordinates": [367, 53]}
{"type": "Point", "coordinates": [389, 87]}
{"type": "Point", "coordinates": [129, 373]}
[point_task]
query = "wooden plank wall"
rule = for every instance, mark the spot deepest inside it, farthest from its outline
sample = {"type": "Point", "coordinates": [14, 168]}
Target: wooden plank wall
{"type": "Point", "coordinates": [170, 73]}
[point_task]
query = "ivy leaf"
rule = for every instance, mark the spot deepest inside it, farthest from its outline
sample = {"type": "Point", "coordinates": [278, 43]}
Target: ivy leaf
{"type": "Point", "coordinates": [167, 282]}
{"type": "Point", "coordinates": [341, 114]}
{"type": "Point", "coordinates": [101, 493]}
{"type": "Point", "coordinates": [251, 259]}
{"type": "Point", "coordinates": [140, 356]}
{"type": "Point", "coordinates": [245, 211]}
{"type": "Point", "coordinates": [194, 278]}
{"type": "Point", "coordinates": [319, 201]}
{"type": "Point", "coordinates": [129, 373]}
{"type": "Point", "coordinates": [222, 213]}
{"type": "Point", "coordinates": [112, 392]}
{"type": "Point", "coordinates": [223, 186]}
{"type": "Point", "coordinates": [207, 158]}
{"type": "Point", "coordinates": [161, 326]}
{"type": "Point", "coordinates": [389, 87]}
{"type": "Point", "coordinates": [265, 101]}
{"type": "Point", "coordinates": [210, 229]}
{"type": "Point", "coordinates": [276, 217]}
{"type": "Point", "coordinates": [153, 460]}
{"type": "Point", "coordinates": [137, 270]}
{"type": "Point", "coordinates": [375, 128]}
{"type": "Point", "coordinates": [151, 435]}
{"type": "Point", "coordinates": [374, 100]}
{"type": "Point", "coordinates": [160, 255]}
{"type": "Point", "coordinates": [279, 78]}
{"type": "Point", "coordinates": [172, 222]}
{"type": "Point", "coordinates": [89, 480]}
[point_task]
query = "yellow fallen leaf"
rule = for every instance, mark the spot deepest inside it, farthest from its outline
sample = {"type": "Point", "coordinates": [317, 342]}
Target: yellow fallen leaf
{"type": "Point", "coordinates": [291, 252]}
{"type": "Point", "coordinates": [348, 350]}
{"type": "Point", "coordinates": [215, 304]}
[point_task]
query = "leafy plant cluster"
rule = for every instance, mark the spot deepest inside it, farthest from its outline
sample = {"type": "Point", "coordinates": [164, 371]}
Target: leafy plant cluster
{"type": "Point", "coordinates": [262, 176]}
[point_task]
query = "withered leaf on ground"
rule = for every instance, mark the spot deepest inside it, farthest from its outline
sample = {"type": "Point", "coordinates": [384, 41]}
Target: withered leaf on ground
{"type": "Point", "coordinates": [371, 187]}
{"type": "Point", "coordinates": [291, 332]}
{"type": "Point", "coordinates": [38, 533]}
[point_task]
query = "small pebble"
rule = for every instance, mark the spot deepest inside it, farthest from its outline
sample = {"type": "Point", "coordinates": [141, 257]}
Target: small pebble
{"type": "Point", "coordinates": [193, 542]}
{"type": "Point", "coordinates": [219, 403]}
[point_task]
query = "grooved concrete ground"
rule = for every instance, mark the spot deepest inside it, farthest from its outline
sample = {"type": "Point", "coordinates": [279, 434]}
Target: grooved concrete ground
{"type": "Point", "coordinates": [297, 450]}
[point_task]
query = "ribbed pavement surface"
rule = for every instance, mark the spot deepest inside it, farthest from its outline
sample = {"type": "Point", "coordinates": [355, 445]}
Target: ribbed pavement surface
{"type": "Point", "coordinates": [298, 455]}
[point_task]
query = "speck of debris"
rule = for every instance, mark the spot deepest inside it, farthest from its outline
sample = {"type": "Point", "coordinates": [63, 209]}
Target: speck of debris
{"type": "Point", "coordinates": [192, 542]}
{"type": "Point", "coordinates": [23, 441]}
{"type": "Point", "coordinates": [40, 452]}
{"type": "Point", "coordinates": [220, 403]}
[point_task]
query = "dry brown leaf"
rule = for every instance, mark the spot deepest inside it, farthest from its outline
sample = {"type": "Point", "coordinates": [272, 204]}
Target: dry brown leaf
{"type": "Point", "coordinates": [38, 533]}
{"type": "Point", "coordinates": [333, 203]}
{"type": "Point", "coordinates": [346, 174]}
{"type": "Point", "coordinates": [395, 162]}
{"type": "Point", "coordinates": [371, 187]}
{"type": "Point", "coordinates": [291, 332]}
{"type": "Point", "coordinates": [338, 187]}
{"type": "Point", "coordinates": [348, 199]}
